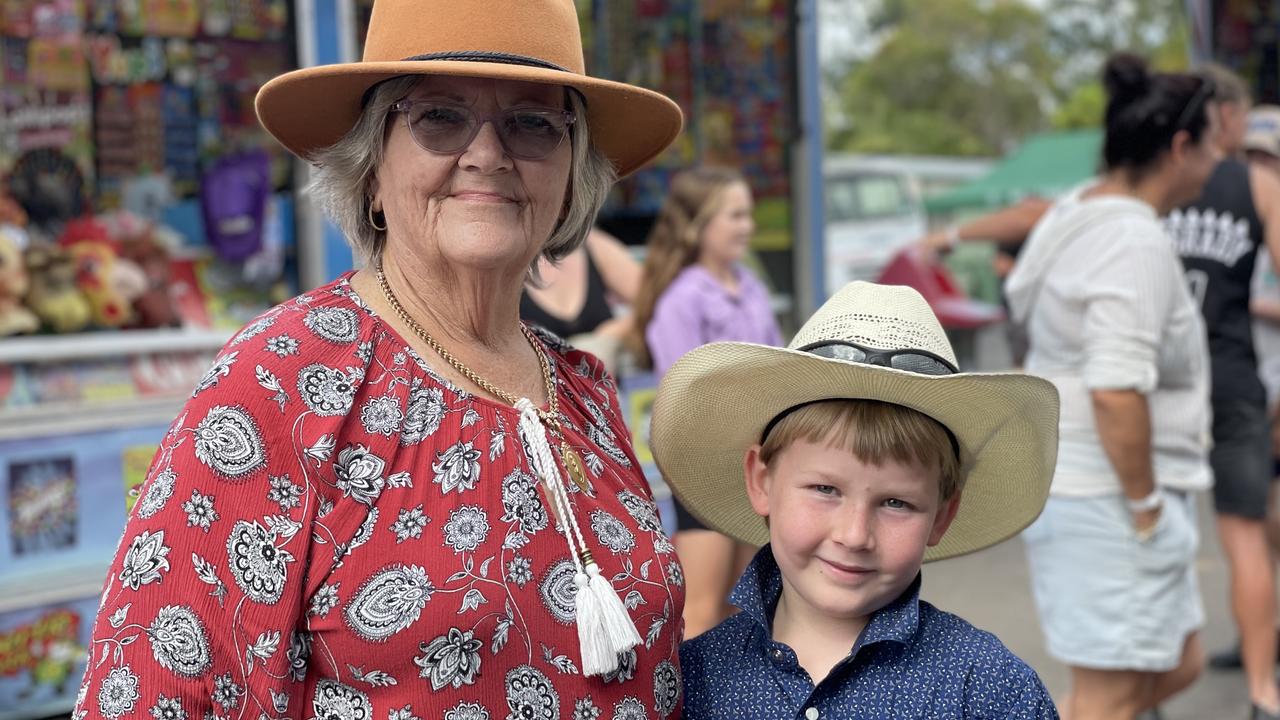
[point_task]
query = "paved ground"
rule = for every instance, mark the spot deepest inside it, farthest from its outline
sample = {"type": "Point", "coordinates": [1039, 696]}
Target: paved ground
{"type": "Point", "coordinates": [992, 590]}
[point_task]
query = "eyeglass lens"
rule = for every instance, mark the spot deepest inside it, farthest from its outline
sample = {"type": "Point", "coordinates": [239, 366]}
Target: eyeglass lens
{"type": "Point", "coordinates": [899, 359]}
{"type": "Point", "coordinates": [526, 133]}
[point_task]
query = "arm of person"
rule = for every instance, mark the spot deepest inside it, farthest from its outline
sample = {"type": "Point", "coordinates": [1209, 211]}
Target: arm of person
{"type": "Point", "coordinates": [1129, 293]}
{"type": "Point", "coordinates": [620, 271]}
{"type": "Point", "coordinates": [1001, 685]}
{"type": "Point", "coordinates": [207, 587]}
{"type": "Point", "coordinates": [1123, 419]}
{"type": "Point", "coordinates": [1266, 198]}
{"type": "Point", "coordinates": [1265, 309]}
{"type": "Point", "coordinates": [676, 328]}
{"type": "Point", "coordinates": [1009, 226]}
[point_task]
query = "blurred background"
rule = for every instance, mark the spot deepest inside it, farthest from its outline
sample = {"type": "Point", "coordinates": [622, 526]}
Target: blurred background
{"type": "Point", "coordinates": [144, 216]}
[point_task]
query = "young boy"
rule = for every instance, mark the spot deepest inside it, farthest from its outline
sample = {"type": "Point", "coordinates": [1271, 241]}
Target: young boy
{"type": "Point", "coordinates": [859, 439]}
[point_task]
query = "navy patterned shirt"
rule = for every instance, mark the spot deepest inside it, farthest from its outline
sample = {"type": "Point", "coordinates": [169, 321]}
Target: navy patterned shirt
{"type": "Point", "coordinates": [911, 661]}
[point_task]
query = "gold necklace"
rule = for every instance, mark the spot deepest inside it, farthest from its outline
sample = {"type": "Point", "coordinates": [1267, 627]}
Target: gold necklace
{"type": "Point", "coordinates": [551, 416]}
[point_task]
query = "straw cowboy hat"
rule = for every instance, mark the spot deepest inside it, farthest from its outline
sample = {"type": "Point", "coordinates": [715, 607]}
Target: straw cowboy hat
{"type": "Point", "coordinates": [717, 401]}
{"type": "Point", "coordinates": [529, 40]}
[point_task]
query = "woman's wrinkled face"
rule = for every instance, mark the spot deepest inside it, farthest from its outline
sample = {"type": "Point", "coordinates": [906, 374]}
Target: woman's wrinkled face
{"type": "Point", "coordinates": [477, 208]}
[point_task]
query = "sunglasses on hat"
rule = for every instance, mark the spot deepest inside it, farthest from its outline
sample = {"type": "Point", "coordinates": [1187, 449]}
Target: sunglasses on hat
{"type": "Point", "coordinates": [909, 359]}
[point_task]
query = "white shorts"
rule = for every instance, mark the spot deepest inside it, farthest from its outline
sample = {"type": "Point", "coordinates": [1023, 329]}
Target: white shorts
{"type": "Point", "coordinates": [1107, 600]}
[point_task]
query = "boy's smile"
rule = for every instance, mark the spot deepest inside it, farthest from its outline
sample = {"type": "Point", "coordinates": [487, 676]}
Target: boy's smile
{"type": "Point", "coordinates": [848, 536]}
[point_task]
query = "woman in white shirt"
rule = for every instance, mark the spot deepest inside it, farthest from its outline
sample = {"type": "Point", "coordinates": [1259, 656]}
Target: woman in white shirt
{"type": "Point", "coordinates": [1112, 324]}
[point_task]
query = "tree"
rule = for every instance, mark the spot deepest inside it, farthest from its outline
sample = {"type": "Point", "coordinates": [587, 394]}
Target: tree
{"type": "Point", "coordinates": [973, 77]}
{"type": "Point", "coordinates": [952, 77]}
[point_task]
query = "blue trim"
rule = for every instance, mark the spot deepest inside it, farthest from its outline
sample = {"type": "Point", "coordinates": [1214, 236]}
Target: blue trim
{"type": "Point", "coordinates": [325, 32]}
{"type": "Point", "coordinates": [337, 253]}
{"type": "Point", "coordinates": [326, 36]}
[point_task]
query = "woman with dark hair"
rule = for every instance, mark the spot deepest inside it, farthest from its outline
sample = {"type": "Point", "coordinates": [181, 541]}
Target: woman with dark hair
{"type": "Point", "coordinates": [1113, 325]}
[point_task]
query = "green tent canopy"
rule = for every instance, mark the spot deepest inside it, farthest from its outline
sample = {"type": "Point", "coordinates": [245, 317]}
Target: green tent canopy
{"type": "Point", "coordinates": [1044, 165]}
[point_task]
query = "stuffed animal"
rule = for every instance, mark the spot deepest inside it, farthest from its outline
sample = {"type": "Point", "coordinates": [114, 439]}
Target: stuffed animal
{"type": "Point", "coordinates": [53, 294]}
{"type": "Point", "coordinates": [15, 319]}
{"type": "Point", "coordinates": [153, 307]}
{"type": "Point", "coordinates": [109, 285]}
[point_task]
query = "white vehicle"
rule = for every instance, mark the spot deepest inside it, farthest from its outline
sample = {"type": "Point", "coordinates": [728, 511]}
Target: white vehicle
{"type": "Point", "coordinates": [874, 208]}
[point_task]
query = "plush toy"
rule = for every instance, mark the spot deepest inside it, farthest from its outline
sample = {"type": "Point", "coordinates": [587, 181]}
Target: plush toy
{"type": "Point", "coordinates": [53, 294]}
{"type": "Point", "coordinates": [109, 285]}
{"type": "Point", "coordinates": [15, 319]}
{"type": "Point", "coordinates": [153, 307]}
{"type": "Point", "coordinates": [11, 213]}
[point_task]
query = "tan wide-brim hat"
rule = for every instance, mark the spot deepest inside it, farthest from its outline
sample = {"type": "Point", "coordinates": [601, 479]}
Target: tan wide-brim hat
{"type": "Point", "coordinates": [530, 40]}
{"type": "Point", "coordinates": [716, 401]}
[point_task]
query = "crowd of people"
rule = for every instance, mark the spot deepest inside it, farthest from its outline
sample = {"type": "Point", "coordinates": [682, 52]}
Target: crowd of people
{"type": "Point", "coordinates": [411, 493]}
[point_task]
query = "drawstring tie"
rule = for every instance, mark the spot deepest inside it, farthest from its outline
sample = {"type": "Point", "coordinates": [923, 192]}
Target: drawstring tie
{"type": "Point", "coordinates": [605, 628]}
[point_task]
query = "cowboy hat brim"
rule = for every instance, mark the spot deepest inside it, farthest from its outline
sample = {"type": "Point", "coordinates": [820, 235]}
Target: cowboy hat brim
{"type": "Point", "coordinates": [312, 108]}
{"type": "Point", "coordinates": [714, 403]}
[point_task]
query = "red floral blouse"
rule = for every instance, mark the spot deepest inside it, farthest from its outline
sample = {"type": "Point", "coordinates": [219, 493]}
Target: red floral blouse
{"type": "Point", "coordinates": [331, 530]}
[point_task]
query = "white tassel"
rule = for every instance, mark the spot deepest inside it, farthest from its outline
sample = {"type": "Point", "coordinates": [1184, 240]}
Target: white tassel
{"type": "Point", "coordinates": [617, 622]}
{"type": "Point", "coordinates": [605, 628]}
{"type": "Point", "coordinates": [598, 657]}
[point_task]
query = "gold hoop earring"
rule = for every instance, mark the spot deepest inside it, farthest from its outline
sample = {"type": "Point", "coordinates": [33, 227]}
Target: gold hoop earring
{"type": "Point", "coordinates": [373, 224]}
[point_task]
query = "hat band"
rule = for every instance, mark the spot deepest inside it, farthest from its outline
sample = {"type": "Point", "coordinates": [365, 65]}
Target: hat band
{"type": "Point", "coordinates": [768, 428]}
{"type": "Point", "coordinates": [489, 56]}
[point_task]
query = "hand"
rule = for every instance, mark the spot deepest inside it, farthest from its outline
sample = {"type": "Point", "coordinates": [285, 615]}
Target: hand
{"type": "Point", "coordinates": [936, 241]}
{"type": "Point", "coordinates": [1145, 522]}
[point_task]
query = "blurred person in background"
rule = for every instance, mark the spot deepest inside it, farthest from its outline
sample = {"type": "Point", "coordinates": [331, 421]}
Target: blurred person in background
{"type": "Point", "coordinates": [1218, 237]}
{"type": "Point", "coordinates": [573, 298]}
{"type": "Point", "coordinates": [357, 514]}
{"type": "Point", "coordinates": [1262, 147]}
{"type": "Point", "coordinates": [695, 290]}
{"type": "Point", "coordinates": [1008, 229]}
{"type": "Point", "coordinates": [1113, 325]}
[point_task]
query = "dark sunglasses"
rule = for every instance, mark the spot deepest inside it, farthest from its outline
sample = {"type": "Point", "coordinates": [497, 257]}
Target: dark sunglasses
{"type": "Point", "coordinates": [527, 133]}
{"type": "Point", "coordinates": [909, 359]}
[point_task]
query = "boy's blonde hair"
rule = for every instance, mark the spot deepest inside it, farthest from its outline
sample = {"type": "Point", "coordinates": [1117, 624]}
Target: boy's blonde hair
{"type": "Point", "coordinates": [875, 432]}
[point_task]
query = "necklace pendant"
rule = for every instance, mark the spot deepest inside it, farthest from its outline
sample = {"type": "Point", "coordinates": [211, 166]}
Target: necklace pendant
{"type": "Point", "coordinates": [576, 470]}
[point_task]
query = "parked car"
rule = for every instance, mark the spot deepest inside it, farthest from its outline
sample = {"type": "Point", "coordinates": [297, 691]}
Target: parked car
{"type": "Point", "coordinates": [874, 208]}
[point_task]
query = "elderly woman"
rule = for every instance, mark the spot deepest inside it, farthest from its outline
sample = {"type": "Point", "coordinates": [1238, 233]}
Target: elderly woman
{"type": "Point", "coordinates": [388, 498]}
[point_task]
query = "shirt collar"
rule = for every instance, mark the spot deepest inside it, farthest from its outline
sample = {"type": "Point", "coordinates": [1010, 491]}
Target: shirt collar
{"type": "Point", "coordinates": [760, 587]}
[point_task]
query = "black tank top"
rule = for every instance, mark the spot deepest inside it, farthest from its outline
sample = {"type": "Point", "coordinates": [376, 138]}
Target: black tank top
{"type": "Point", "coordinates": [1218, 237]}
{"type": "Point", "coordinates": [595, 311]}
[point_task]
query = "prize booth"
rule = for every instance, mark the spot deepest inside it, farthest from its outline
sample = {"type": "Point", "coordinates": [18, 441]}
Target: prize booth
{"type": "Point", "coordinates": [145, 216]}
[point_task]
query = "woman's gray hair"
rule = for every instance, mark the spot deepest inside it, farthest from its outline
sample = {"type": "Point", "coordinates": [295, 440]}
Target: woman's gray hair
{"type": "Point", "coordinates": [343, 179]}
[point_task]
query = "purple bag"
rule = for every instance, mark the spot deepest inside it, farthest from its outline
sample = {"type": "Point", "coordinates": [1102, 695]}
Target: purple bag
{"type": "Point", "coordinates": [233, 200]}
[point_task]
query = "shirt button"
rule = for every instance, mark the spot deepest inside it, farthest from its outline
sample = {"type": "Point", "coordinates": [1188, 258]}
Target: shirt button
{"type": "Point", "coordinates": [811, 713]}
{"type": "Point", "coordinates": [777, 654]}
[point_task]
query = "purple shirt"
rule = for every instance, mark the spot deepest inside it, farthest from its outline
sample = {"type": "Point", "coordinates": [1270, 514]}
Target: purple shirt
{"type": "Point", "coordinates": [696, 309]}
